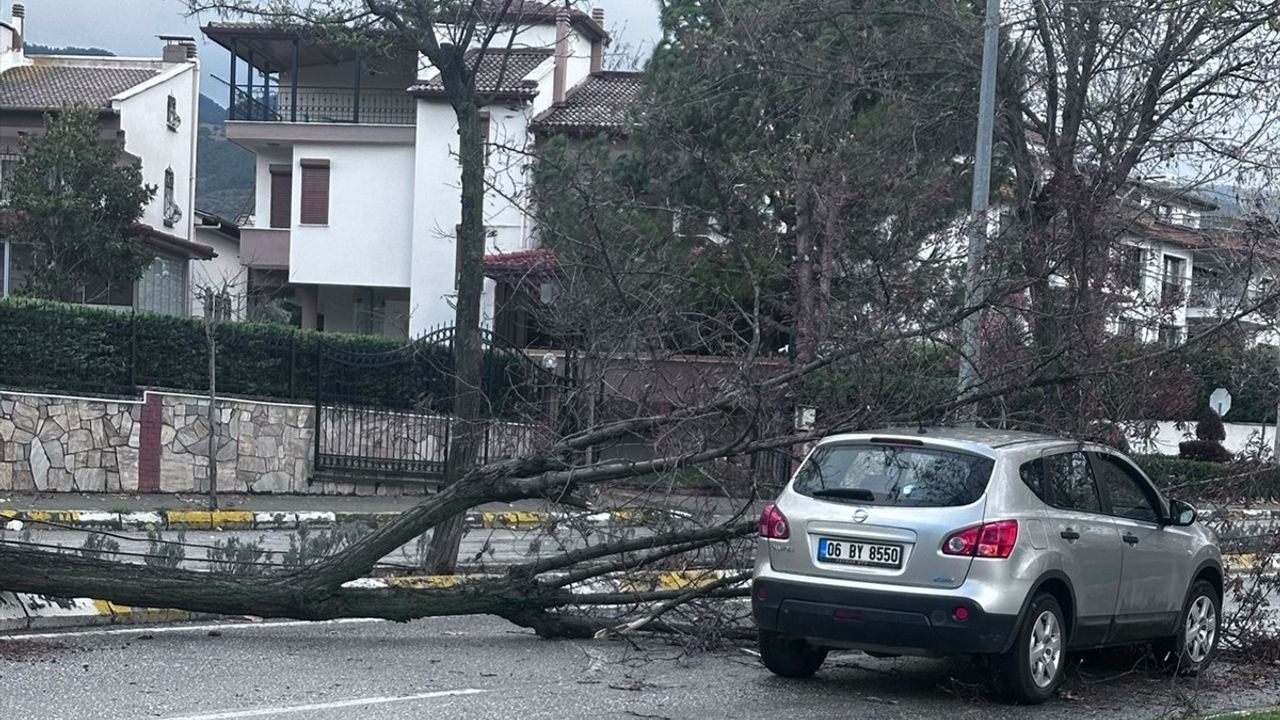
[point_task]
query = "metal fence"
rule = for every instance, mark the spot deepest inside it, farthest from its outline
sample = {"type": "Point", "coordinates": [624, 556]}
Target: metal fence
{"type": "Point", "coordinates": [358, 435]}
{"type": "Point", "coordinates": [316, 104]}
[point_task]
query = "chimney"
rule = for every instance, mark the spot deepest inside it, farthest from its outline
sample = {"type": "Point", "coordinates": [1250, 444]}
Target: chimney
{"type": "Point", "coordinates": [11, 54]}
{"type": "Point", "coordinates": [560, 80]}
{"type": "Point", "coordinates": [178, 49]}
{"type": "Point", "coordinates": [19, 24]}
{"type": "Point", "coordinates": [597, 46]}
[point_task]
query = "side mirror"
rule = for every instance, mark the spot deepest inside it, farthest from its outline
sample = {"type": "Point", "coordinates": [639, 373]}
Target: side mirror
{"type": "Point", "coordinates": [1181, 514]}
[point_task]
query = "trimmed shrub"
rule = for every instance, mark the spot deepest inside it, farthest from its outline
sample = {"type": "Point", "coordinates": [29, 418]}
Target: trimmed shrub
{"type": "Point", "coordinates": [1203, 451]}
{"type": "Point", "coordinates": [55, 347]}
{"type": "Point", "coordinates": [1209, 427]}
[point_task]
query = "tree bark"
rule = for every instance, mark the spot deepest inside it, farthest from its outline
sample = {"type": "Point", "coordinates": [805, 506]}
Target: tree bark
{"type": "Point", "coordinates": [468, 355]}
{"type": "Point", "coordinates": [805, 302]}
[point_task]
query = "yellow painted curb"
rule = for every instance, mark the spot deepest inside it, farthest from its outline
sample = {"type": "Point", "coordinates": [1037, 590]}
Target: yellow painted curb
{"type": "Point", "coordinates": [60, 517]}
{"type": "Point", "coordinates": [199, 520]}
{"type": "Point", "coordinates": [514, 519]}
{"type": "Point", "coordinates": [425, 582]}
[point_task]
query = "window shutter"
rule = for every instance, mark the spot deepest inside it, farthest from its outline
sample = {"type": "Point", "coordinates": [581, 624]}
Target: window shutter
{"type": "Point", "coordinates": [315, 192]}
{"type": "Point", "coordinates": [281, 196]}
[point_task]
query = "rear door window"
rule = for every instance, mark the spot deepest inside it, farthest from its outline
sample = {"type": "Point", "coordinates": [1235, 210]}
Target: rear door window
{"type": "Point", "coordinates": [1071, 482]}
{"type": "Point", "coordinates": [893, 475]}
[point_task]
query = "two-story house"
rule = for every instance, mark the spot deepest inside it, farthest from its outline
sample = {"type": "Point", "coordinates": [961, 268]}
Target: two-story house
{"type": "Point", "coordinates": [1183, 267]}
{"type": "Point", "coordinates": [358, 198]}
{"type": "Point", "coordinates": [147, 109]}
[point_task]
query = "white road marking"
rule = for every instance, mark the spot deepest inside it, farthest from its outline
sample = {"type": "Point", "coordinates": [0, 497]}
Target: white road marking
{"type": "Point", "coordinates": [357, 702]}
{"type": "Point", "coordinates": [153, 629]}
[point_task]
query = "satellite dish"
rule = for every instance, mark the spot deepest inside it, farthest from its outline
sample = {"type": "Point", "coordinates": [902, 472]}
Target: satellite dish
{"type": "Point", "coordinates": [1220, 401]}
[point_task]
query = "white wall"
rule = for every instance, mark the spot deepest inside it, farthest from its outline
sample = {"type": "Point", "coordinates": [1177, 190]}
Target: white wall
{"type": "Point", "coordinates": [143, 118]}
{"type": "Point", "coordinates": [1167, 434]}
{"type": "Point", "coordinates": [371, 200]}
{"type": "Point", "coordinates": [223, 272]}
{"type": "Point", "coordinates": [437, 208]}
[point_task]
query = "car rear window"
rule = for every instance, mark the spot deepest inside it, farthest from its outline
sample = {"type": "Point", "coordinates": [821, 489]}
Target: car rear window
{"type": "Point", "coordinates": [893, 475]}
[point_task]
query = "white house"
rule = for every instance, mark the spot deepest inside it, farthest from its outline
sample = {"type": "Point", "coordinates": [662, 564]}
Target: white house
{"type": "Point", "coordinates": [358, 195]}
{"type": "Point", "coordinates": [222, 276]}
{"type": "Point", "coordinates": [147, 108]}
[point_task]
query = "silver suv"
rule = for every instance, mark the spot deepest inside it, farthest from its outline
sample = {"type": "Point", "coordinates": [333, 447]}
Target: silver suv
{"type": "Point", "coordinates": [977, 542]}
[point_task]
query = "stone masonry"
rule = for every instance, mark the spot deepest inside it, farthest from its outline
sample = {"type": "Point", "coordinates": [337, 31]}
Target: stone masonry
{"type": "Point", "coordinates": [53, 443]}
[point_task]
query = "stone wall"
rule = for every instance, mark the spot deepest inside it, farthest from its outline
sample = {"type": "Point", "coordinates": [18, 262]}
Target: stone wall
{"type": "Point", "coordinates": [52, 444]}
{"type": "Point", "coordinates": [159, 444]}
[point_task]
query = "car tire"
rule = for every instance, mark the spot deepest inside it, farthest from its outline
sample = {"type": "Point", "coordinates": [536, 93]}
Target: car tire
{"type": "Point", "coordinates": [1031, 671]}
{"type": "Point", "coordinates": [1195, 643]}
{"type": "Point", "coordinates": [790, 657]}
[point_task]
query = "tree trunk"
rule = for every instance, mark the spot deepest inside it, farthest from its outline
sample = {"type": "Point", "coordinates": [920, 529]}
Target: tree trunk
{"type": "Point", "coordinates": [805, 302]}
{"type": "Point", "coordinates": [468, 355]}
{"type": "Point", "coordinates": [212, 331]}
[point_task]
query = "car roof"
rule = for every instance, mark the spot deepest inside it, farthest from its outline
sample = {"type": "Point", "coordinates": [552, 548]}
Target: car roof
{"type": "Point", "coordinates": [984, 441]}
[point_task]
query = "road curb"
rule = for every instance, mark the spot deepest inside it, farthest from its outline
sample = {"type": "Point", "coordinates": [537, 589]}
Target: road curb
{"type": "Point", "coordinates": [22, 611]}
{"type": "Point", "coordinates": [293, 520]}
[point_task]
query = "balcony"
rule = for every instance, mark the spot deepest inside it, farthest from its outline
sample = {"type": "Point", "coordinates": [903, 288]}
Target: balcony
{"type": "Point", "coordinates": [282, 74]}
{"type": "Point", "coordinates": [316, 104]}
{"type": "Point", "coordinates": [264, 248]}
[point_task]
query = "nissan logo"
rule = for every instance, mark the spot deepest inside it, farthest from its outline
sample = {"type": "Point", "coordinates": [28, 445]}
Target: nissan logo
{"type": "Point", "coordinates": [860, 515]}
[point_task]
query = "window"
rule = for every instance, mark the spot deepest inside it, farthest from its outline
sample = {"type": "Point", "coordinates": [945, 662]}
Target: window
{"type": "Point", "coordinates": [8, 164]}
{"type": "Point", "coordinates": [1032, 474]}
{"type": "Point", "coordinates": [1071, 482]}
{"type": "Point", "coordinates": [172, 213]}
{"type": "Point", "coordinates": [1128, 329]}
{"type": "Point", "coordinates": [485, 126]}
{"type": "Point", "coordinates": [101, 292]}
{"type": "Point", "coordinates": [171, 117]}
{"type": "Point", "coordinates": [893, 475]}
{"type": "Point", "coordinates": [315, 192]}
{"type": "Point", "coordinates": [163, 287]}
{"type": "Point", "coordinates": [1170, 335]}
{"type": "Point", "coordinates": [1130, 267]}
{"type": "Point", "coordinates": [281, 196]}
{"type": "Point", "coordinates": [1175, 279]}
{"type": "Point", "coordinates": [1125, 490]}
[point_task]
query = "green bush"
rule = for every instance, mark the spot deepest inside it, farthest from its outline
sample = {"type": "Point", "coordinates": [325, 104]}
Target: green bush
{"type": "Point", "coordinates": [54, 347]}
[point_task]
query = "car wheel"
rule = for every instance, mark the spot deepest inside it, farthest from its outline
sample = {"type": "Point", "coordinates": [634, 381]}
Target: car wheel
{"type": "Point", "coordinates": [790, 657]}
{"type": "Point", "coordinates": [1193, 646]}
{"type": "Point", "coordinates": [1031, 671]}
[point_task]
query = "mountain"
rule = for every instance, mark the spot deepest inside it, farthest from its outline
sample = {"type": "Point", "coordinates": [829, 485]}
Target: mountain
{"type": "Point", "coordinates": [224, 172]}
{"type": "Point", "coordinates": [37, 49]}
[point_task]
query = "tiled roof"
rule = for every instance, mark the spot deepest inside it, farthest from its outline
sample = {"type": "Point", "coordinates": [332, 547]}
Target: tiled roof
{"type": "Point", "coordinates": [46, 85]}
{"type": "Point", "coordinates": [600, 103]}
{"type": "Point", "coordinates": [522, 262]}
{"type": "Point", "coordinates": [501, 73]}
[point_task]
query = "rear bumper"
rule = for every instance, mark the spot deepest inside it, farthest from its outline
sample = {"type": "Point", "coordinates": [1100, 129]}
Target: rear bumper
{"type": "Point", "coordinates": [904, 623]}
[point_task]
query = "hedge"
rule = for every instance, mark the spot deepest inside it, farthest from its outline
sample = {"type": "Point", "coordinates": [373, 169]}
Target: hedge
{"type": "Point", "coordinates": [1193, 480]}
{"type": "Point", "coordinates": [55, 347]}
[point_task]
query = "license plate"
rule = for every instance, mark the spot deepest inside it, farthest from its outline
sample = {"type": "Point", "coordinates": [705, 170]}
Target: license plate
{"type": "Point", "coordinates": [846, 552]}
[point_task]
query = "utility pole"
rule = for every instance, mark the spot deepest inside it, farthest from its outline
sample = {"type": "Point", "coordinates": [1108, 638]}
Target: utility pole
{"type": "Point", "coordinates": [974, 287]}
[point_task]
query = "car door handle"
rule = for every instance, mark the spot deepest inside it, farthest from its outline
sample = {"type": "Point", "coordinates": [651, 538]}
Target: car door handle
{"type": "Point", "coordinates": [1070, 534]}
{"type": "Point", "coordinates": [1131, 538]}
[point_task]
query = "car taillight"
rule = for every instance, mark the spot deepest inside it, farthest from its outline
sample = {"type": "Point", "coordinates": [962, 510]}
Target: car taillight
{"type": "Point", "coordinates": [773, 524]}
{"type": "Point", "coordinates": [991, 540]}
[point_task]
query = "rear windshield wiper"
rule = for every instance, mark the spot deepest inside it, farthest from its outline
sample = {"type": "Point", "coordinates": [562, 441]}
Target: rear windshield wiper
{"type": "Point", "coordinates": [845, 494]}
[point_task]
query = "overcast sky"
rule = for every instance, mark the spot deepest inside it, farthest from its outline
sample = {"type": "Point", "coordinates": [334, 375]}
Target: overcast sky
{"type": "Point", "coordinates": [130, 27]}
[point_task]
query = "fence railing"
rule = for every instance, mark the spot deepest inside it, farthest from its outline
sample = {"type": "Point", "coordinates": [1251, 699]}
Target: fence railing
{"type": "Point", "coordinates": [317, 104]}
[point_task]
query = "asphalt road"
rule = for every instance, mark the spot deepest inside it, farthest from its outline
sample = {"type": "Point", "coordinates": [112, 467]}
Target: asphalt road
{"type": "Point", "coordinates": [478, 668]}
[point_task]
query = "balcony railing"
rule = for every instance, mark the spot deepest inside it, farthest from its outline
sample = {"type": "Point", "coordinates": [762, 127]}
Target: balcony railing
{"type": "Point", "coordinates": [312, 104]}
